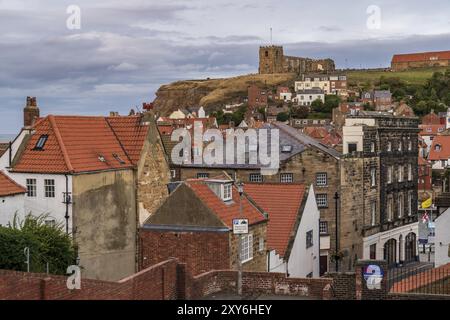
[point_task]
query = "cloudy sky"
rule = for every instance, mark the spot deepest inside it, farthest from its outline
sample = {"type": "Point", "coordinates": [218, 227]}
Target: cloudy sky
{"type": "Point", "coordinates": [125, 50]}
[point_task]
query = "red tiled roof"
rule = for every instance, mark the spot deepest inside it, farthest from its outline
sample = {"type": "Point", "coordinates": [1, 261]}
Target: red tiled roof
{"type": "Point", "coordinates": [3, 147]}
{"type": "Point", "coordinates": [444, 153]}
{"type": "Point", "coordinates": [8, 186]}
{"type": "Point", "coordinates": [76, 144]}
{"type": "Point", "coordinates": [131, 134]}
{"type": "Point", "coordinates": [422, 279]}
{"type": "Point", "coordinates": [225, 211]}
{"type": "Point", "coordinates": [282, 202]}
{"type": "Point", "coordinates": [431, 129]}
{"type": "Point", "coordinates": [424, 56]}
{"type": "Point", "coordinates": [316, 132]}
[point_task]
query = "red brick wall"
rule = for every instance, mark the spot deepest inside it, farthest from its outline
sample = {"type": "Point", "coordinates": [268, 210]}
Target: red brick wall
{"type": "Point", "coordinates": [257, 283]}
{"type": "Point", "coordinates": [201, 251]}
{"type": "Point", "coordinates": [155, 283]}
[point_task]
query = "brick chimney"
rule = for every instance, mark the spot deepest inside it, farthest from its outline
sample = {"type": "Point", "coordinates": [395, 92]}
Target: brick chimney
{"type": "Point", "coordinates": [30, 112]}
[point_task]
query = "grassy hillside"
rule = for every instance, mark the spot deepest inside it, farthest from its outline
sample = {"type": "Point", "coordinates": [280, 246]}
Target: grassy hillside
{"type": "Point", "coordinates": [419, 76]}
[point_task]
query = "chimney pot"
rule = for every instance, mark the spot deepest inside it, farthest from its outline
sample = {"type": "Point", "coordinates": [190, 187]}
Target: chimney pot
{"type": "Point", "coordinates": [30, 112]}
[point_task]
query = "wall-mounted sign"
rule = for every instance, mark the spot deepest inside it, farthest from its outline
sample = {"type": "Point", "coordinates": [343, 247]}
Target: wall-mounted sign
{"type": "Point", "coordinates": [373, 276]}
{"type": "Point", "coordinates": [240, 226]}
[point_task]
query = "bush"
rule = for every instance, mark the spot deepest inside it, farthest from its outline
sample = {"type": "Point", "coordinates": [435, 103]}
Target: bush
{"type": "Point", "coordinates": [47, 244]}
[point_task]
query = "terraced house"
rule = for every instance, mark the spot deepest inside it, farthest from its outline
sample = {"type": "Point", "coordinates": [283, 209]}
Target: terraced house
{"type": "Point", "coordinates": [97, 176]}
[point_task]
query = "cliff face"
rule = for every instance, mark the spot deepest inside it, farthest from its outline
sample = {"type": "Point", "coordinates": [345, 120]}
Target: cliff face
{"type": "Point", "coordinates": [211, 93]}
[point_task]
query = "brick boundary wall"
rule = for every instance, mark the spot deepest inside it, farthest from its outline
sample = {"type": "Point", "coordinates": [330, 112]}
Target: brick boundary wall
{"type": "Point", "coordinates": [156, 282]}
{"type": "Point", "coordinates": [343, 286]}
{"type": "Point", "coordinates": [257, 283]}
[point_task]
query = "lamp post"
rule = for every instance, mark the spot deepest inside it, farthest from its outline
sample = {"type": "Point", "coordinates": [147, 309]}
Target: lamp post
{"type": "Point", "coordinates": [240, 186]}
{"type": "Point", "coordinates": [336, 258]}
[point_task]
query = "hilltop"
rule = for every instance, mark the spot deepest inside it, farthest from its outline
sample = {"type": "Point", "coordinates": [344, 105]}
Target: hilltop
{"type": "Point", "coordinates": [212, 93]}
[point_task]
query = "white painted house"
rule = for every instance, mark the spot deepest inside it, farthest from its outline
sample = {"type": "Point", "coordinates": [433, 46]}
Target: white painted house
{"type": "Point", "coordinates": [442, 239]}
{"type": "Point", "coordinates": [12, 199]}
{"type": "Point", "coordinates": [307, 97]}
{"type": "Point", "coordinates": [293, 229]}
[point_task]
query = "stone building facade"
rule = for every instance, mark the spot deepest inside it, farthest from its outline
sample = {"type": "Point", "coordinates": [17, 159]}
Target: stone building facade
{"type": "Point", "coordinates": [379, 181]}
{"type": "Point", "coordinates": [272, 60]}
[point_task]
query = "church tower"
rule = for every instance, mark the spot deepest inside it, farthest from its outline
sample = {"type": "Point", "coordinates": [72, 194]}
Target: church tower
{"type": "Point", "coordinates": [271, 59]}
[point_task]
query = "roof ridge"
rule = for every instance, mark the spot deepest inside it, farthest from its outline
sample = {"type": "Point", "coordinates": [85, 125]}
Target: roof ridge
{"type": "Point", "coordinates": [60, 143]}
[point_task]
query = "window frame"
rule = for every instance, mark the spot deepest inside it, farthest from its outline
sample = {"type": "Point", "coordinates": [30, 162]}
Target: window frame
{"type": "Point", "coordinates": [49, 188]}
{"type": "Point", "coordinates": [284, 176]}
{"type": "Point", "coordinates": [31, 184]}
{"type": "Point", "coordinates": [309, 239]}
{"type": "Point", "coordinates": [321, 176]}
{"type": "Point", "coordinates": [253, 175]}
{"type": "Point", "coordinates": [246, 250]}
{"type": "Point", "coordinates": [325, 199]}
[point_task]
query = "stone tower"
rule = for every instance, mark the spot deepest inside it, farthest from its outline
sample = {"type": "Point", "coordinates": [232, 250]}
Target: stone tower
{"type": "Point", "coordinates": [30, 112]}
{"type": "Point", "coordinates": [271, 59]}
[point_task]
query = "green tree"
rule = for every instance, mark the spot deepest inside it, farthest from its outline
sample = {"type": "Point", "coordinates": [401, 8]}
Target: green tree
{"type": "Point", "coordinates": [47, 244]}
{"type": "Point", "coordinates": [317, 105]}
{"type": "Point", "coordinates": [283, 117]}
{"type": "Point", "coordinates": [300, 112]}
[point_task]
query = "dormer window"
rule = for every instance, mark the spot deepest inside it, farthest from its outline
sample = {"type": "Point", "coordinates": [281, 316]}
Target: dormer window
{"type": "Point", "coordinates": [437, 147]}
{"type": "Point", "coordinates": [227, 193]}
{"type": "Point", "coordinates": [41, 142]}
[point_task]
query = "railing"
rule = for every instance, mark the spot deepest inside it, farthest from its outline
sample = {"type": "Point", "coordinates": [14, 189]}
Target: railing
{"type": "Point", "coordinates": [419, 280]}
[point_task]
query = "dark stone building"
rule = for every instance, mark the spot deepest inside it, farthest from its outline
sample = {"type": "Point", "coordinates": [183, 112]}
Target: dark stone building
{"type": "Point", "coordinates": [379, 183]}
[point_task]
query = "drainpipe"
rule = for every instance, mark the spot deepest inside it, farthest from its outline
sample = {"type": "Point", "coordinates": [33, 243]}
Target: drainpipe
{"type": "Point", "coordinates": [66, 200]}
{"type": "Point", "coordinates": [10, 154]}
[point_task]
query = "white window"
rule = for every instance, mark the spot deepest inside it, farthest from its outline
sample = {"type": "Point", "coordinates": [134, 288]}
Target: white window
{"type": "Point", "coordinates": [390, 208]}
{"type": "Point", "coordinates": [246, 247]}
{"type": "Point", "coordinates": [256, 177]}
{"type": "Point", "coordinates": [409, 172]}
{"type": "Point", "coordinates": [389, 174]}
{"type": "Point", "coordinates": [50, 223]}
{"type": "Point", "coordinates": [202, 175]}
{"type": "Point", "coordinates": [226, 192]}
{"type": "Point", "coordinates": [400, 205]}
{"type": "Point", "coordinates": [321, 179]}
{"type": "Point", "coordinates": [31, 187]}
{"type": "Point", "coordinates": [400, 145]}
{"type": "Point", "coordinates": [49, 186]}
{"type": "Point", "coordinates": [323, 227]}
{"type": "Point", "coordinates": [322, 200]}
{"type": "Point", "coordinates": [410, 203]}
{"type": "Point", "coordinates": [373, 177]}
{"type": "Point", "coordinates": [173, 173]}
{"type": "Point", "coordinates": [261, 244]}
{"type": "Point", "coordinates": [373, 213]}
{"type": "Point", "coordinates": [409, 145]}
{"type": "Point", "coordinates": [286, 178]}
{"type": "Point", "coordinates": [389, 146]}
{"type": "Point", "coordinates": [309, 239]}
{"type": "Point", "coordinates": [400, 173]}
{"type": "Point", "coordinates": [372, 147]}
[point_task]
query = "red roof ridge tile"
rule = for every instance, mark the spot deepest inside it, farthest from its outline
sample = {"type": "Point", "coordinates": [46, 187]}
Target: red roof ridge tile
{"type": "Point", "coordinates": [60, 143]}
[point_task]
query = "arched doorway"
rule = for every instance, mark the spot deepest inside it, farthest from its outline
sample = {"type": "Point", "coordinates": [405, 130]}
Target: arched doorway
{"type": "Point", "coordinates": [390, 252]}
{"type": "Point", "coordinates": [410, 247]}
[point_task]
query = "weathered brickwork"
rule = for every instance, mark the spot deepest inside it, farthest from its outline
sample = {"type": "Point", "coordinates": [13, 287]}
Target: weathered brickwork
{"type": "Point", "coordinates": [153, 174]}
{"type": "Point", "coordinates": [200, 251]}
{"type": "Point", "coordinates": [259, 261]}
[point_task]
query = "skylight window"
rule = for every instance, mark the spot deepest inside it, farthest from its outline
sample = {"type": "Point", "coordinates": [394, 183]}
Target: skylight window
{"type": "Point", "coordinates": [41, 142]}
{"type": "Point", "coordinates": [286, 148]}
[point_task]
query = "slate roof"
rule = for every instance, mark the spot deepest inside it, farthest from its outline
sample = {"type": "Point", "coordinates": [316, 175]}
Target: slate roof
{"type": "Point", "coordinates": [282, 201]}
{"type": "Point", "coordinates": [9, 187]}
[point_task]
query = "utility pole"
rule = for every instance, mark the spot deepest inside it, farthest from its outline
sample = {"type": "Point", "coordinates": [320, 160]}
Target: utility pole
{"type": "Point", "coordinates": [239, 284]}
{"type": "Point", "coordinates": [336, 199]}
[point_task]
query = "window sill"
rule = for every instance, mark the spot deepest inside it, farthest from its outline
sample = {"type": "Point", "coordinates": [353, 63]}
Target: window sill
{"type": "Point", "coordinates": [245, 261]}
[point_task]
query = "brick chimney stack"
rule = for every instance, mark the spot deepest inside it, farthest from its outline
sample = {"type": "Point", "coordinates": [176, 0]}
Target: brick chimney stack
{"type": "Point", "coordinates": [30, 112]}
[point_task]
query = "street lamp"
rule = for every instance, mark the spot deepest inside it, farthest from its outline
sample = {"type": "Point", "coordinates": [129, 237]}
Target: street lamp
{"type": "Point", "coordinates": [336, 257]}
{"type": "Point", "coordinates": [240, 186]}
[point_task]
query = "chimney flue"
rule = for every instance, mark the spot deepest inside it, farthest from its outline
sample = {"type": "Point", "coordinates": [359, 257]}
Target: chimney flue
{"type": "Point", "coordinates": [30, 112]}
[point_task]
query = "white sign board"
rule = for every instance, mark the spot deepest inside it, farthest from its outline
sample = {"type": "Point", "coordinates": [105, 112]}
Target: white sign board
{"type": "Point", "coordinates": [240, 226]}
